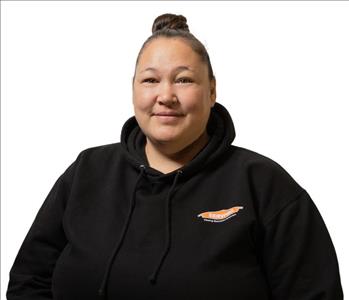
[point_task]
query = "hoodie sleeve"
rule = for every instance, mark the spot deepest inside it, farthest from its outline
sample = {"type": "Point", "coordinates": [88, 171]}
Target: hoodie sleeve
{"type": "Point", "coordinates": [30, 275]}
{"type": "Point", "coordinates": [298, 255]}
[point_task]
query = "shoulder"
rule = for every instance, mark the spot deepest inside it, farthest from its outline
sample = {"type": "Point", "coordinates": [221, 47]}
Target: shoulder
{"type": "Point", "coordinates": [269, 183]}
{"type": "Point", "coordinates": [254, 161]}
{"type": "Point", "coordinates": [96, 159]}
{"type": "Point", "coordinates": [100, 152]}
{"type": "Point", "coordinates": [258, 165]}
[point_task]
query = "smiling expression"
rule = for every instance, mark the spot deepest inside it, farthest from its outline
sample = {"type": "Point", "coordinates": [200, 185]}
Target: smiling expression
{"type": "Point", "coordinates": [172, 93]}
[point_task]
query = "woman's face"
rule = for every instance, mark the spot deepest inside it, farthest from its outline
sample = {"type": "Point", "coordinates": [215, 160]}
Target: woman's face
{"type": "Point", "coordinates": [171, 78]}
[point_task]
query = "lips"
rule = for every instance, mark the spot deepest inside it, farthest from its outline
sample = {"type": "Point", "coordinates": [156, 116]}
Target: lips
{"type": "Point", "coordinates": [168, 114]}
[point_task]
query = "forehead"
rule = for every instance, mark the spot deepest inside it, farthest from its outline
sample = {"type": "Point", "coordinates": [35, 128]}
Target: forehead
{"type": "Point", "coordinates": [169, 53]}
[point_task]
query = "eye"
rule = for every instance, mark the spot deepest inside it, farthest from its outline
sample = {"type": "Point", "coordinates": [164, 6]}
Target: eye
{"type": "Point", "coordinates": [184, 80]}
{"type": "Point", "coordinates": [150, 80]}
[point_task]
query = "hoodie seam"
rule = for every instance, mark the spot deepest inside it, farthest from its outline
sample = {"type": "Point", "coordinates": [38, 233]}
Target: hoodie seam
{"type": "Point", "coordinates": [283, 207]}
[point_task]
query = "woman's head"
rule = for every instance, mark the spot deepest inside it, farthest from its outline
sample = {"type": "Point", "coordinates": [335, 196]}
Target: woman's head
{"type": "Point", "coordinates": [173, 74]}
{"type": "Point", "coordinates": [175, 26]}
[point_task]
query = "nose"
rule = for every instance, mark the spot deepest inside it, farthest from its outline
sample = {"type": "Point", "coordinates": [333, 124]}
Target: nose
{"type": "Point", "coordinates": [166, 94]}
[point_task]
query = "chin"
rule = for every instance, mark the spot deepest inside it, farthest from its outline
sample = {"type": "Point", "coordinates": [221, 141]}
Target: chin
{"type": "Point", "coordinates": [162, 138]}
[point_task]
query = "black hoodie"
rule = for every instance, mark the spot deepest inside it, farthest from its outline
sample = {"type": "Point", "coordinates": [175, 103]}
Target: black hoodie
{"type": "Point", "coordinates": [230, 224]}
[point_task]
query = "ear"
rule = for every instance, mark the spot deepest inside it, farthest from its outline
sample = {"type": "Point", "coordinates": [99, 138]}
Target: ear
{"type": "Point", "coordinates": [213, 91]}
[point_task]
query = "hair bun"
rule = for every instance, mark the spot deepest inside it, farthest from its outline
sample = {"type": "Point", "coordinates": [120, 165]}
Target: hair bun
{"type": "Point", "coordinates": [170, 21]}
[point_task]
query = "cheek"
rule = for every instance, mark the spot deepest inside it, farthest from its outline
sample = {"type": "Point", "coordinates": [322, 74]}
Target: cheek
{"type": "Point", "coordinates": [194, 101]}
{"type": "Point", "coordinates": [142, 99]}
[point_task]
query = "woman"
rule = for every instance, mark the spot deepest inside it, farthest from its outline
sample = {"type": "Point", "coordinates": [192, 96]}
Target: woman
{"type": "Point", "coordinates": [175, 211]}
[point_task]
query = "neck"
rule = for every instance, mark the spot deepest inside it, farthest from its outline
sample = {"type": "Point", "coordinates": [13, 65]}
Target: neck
{"type": "Point", "coordinates": [164, 158]}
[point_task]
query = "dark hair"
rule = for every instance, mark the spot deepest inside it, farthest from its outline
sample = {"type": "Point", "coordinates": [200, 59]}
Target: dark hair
{"type": "Point", "coordinates": [174, 26]}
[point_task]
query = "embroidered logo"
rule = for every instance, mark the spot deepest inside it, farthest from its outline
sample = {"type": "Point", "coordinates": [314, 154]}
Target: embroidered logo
{"type": "Point", "coordinates": [220, 215]}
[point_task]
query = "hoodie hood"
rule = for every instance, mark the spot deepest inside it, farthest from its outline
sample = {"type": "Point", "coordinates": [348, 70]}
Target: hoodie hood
{"type": "Point", "coordinates": [221, 130]}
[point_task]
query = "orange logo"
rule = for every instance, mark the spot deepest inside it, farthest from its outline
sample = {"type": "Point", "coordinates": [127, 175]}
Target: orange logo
{"type": "Point", "coordinates": [220, 215]}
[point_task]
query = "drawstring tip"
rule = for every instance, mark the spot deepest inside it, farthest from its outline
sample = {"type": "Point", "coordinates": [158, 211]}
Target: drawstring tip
{"type": "Point", "coordinates": [152, 279]}
{"type": "Point", "coordinates": [101, 292]}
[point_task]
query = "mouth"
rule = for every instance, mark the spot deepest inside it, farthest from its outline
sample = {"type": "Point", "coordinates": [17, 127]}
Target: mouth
{"type": "Point", "coordinates": [168, 114]}
{"type": "Point", "coordinates": [167, 117]}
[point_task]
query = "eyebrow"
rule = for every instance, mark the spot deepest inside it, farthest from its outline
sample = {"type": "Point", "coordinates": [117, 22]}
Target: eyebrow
{"type": "Point", "coordinates": [179, 68]}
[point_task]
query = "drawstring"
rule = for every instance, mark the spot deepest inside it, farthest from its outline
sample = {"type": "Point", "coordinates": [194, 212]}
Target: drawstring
{"type": "Point", "coordinates": [102, 289]}
{"type": "Point", "coordinates": [153, 276]}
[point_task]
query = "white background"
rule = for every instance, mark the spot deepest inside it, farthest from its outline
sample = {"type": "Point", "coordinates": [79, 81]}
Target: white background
{"type": "Point", "coordinates": [282, 71]}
